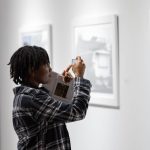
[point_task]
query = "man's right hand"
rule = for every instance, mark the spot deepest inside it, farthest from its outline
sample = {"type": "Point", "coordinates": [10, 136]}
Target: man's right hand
{"type": "Point", "coordinates": [78, 67]}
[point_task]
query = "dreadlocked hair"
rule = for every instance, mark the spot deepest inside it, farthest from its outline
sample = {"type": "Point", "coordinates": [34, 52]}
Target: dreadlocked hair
{"type": "Point", "coordinates": [24, 60]}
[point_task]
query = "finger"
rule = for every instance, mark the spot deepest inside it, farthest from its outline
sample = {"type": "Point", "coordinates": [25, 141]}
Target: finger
{"type": "Point", "coordinates": [65, 73]}
{"type": "Point", "coordinates": [68, 68]}
{"type": "Point", "coordinates": [79, 59]}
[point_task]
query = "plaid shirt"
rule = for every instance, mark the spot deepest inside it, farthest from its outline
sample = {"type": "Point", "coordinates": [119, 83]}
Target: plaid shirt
{"type": "Point", "coordinates": [39, 120]}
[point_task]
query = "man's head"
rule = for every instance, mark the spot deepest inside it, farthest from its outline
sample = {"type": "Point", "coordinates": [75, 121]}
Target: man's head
{"type": "Point", "coordinates": [28, 62]}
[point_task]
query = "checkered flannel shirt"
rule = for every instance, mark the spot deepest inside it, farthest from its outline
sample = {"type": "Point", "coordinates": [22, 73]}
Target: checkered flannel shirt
{"type": "Point", "coordinates": [39, 120]}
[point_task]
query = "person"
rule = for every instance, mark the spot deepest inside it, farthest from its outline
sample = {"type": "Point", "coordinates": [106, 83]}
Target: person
{"type": "Point", "coordinates": [38, 119]}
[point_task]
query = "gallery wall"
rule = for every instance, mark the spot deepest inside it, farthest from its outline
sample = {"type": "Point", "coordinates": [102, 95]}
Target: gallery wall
{"type": "Point", "coordinates": [103, 128]}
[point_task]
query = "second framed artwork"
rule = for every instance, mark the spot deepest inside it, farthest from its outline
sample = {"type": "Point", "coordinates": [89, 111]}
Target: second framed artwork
{"type": "Point", "coordinates": [40, 35]}
{"type": "Point", "coordinates": [96, 41]}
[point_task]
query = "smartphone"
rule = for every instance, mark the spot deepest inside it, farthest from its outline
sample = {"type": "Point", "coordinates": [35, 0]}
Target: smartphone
{"type": "Point", "coordinates": [73, 61]}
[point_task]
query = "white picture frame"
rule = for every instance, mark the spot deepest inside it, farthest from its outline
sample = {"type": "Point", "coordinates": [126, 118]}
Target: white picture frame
{"type": "Point", "coordinates": [40, 35]}
{"type": "Point", "coordinates": [96, 41]}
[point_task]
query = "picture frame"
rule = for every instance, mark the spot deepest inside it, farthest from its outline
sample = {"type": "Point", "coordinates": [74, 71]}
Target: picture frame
{"type": "Point", "coordinates": [96, 41]}
{"type": "Point", "coordinates": [40, 35]}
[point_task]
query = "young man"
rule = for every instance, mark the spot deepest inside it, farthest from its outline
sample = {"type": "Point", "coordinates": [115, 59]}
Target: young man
{"type": "Point", "coordinates": [38, 119]}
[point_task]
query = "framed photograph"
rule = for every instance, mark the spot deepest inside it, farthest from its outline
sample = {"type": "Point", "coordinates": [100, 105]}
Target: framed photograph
{"type": "Point", "coordinates": [96, 41]}
{"type": "Point", "coordinates": [37, 35]}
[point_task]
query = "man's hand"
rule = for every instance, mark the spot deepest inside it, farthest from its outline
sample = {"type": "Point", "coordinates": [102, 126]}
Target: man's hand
{"type": "Point", "coordinates": [78, 67]}
{"type": "Point", "coordinates": [67, 77]}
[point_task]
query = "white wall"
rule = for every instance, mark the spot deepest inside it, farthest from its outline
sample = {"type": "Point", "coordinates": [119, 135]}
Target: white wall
{"type": "Point", "coordinates": [127, 128]}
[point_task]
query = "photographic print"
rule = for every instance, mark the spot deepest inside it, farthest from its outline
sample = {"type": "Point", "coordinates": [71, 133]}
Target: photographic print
{"type": "Point", "coordinates": [97, 44]}
{"type": "Point", "coordinates": [61, 90]}
{"type": "Point", "coordinates": [37, 35]}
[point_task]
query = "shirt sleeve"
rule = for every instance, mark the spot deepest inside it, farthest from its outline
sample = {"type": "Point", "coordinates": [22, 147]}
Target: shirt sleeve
{"type": "Point", "coordinates": [48, 109]}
